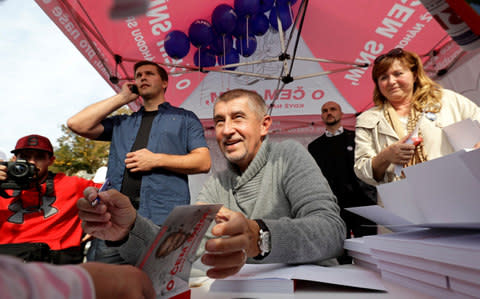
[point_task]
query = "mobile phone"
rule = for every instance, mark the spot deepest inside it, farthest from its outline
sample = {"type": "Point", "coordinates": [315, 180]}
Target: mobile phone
{"type": "Point", "coordinates": [134, 88]}
{"type": "Point", "coordinates": [106, 186]}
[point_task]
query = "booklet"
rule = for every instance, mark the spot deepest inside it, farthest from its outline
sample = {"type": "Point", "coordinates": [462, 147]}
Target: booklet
{"type": "Point", "coordinates": [168, 260]}
{"type": "Point", "coordinates": [280, 278]}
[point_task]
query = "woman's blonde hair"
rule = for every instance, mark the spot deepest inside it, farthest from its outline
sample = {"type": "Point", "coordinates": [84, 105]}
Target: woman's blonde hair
{"type": "Point", "coordinates": [427, 94]}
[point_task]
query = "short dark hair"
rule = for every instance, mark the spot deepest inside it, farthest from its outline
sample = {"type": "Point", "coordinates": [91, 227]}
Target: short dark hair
{"type": "Point", "coordinates": [161, 71]}
{"type": "Point", "coordinates": [255, 101]}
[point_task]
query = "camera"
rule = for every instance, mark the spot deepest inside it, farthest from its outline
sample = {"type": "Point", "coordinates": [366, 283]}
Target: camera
{"type": "Point", "coordinates": [20, 174]}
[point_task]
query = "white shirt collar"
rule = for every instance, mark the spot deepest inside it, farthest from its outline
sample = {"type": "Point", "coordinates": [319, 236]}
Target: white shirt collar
{"type": "Point", "coordinates": [336, 133]}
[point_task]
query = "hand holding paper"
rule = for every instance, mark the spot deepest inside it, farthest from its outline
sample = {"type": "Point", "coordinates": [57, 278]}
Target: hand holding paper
{"type": "Point", "coordinates": [228, 253]}
{"type": "Point", "coordinates": [413, 139]}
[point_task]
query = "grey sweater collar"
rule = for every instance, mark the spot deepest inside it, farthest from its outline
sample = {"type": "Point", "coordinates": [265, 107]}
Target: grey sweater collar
{"type": "Point", "coordinates": [255, 166]}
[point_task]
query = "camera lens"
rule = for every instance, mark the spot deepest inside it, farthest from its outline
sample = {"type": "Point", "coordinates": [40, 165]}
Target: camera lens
{"type": "Point", "coordinates": [19, 170]}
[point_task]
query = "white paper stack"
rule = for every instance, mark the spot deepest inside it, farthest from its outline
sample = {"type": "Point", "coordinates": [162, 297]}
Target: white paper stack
{"type": "Point", "coordinates": [279, 278]}
{"type": "Point", "coordinates": [435, 216]}
{"type": "Point", "coordinates": [442, 263]}
{"type": "Point", "coordinates": [361, 253]}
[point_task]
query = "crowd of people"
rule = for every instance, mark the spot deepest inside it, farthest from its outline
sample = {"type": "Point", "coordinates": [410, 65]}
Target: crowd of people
{"type": "Point", "coordinates": [275, 195]}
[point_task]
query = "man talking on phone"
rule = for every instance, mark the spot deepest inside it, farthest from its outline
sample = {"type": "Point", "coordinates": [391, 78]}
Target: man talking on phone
{"type": "Point", "coordinates": [152, 151]}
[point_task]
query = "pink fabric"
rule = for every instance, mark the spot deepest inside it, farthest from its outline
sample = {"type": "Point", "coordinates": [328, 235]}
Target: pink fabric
{"type": "Point", "coordinates": [341, 30]}
{"type": "Point", "coordinates": [39, 280]}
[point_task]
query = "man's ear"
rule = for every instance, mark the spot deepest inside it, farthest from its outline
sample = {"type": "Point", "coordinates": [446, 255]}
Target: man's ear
{"type": "Point", "coordinates": [52, 159]}
{"type": "Point", "coordinates": [266, 123]}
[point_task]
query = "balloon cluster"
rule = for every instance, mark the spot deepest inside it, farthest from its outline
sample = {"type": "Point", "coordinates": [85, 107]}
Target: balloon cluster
{"type": "Point", "coordinates": [232, 31]}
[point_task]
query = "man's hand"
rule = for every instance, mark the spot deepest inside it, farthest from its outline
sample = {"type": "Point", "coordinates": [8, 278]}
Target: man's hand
{"type": "Point", "coordinates": [127, 94]}
{"type": "Point", "coordinates": [141, 160]}
{"type": "Point", "coordinates": [238, 238]}
{"type": "Point", "coordinates": [111, 219]}
{"type": "Point", "coordinates": [119, 281]}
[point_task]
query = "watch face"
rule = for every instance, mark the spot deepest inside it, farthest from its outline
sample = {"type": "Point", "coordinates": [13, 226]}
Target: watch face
{"type": "Point", "coordinates": [264, 242]}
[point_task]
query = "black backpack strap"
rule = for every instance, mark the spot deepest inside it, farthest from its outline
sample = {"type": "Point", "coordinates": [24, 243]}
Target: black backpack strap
{"type": "Point", "coordinates": [50, 190]}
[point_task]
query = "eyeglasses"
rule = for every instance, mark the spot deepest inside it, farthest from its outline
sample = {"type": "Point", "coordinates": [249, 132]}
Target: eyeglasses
{"type": "Point", "coordinates": [392, 53]}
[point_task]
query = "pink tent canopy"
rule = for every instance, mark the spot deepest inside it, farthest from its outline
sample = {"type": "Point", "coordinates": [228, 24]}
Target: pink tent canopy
{"type": "Point", "coordinates": [329, 61]}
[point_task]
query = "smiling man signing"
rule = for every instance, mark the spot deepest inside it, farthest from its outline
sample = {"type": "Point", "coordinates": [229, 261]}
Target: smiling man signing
{"type": "Point", "coordinates": [289, 213]}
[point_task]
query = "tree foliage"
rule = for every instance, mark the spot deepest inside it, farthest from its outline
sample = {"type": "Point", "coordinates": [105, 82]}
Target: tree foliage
{"type": "Point", "coordinates": [77, 153]}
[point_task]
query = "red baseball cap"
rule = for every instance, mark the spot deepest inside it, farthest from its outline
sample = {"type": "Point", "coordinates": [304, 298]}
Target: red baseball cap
{"type": "Point", "coordinates": [34, 142]}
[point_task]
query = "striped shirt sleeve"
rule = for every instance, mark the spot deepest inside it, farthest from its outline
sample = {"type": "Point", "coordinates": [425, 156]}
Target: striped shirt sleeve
{"type": "Point", "coordinates": [20, 280]}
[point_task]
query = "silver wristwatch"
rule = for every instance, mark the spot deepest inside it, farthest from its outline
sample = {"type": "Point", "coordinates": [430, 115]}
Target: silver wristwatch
{"type": "Point", "coordinates": [264, 243]}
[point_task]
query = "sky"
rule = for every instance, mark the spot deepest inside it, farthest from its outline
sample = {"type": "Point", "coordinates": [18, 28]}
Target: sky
{"type": "Point", "coordinates": [44, 79]}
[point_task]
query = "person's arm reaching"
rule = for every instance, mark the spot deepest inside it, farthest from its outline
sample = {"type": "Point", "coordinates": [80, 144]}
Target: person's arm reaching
{"type": "Point", "coordinates": [87, 123]}
{"type": "Point", "coordinates": [119, 281]}
{"type": "Point", "coordinates": [90, 280]}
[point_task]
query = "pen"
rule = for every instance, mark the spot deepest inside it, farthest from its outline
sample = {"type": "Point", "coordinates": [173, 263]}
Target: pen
{"type": "Point", "coordinates": [106, 186]}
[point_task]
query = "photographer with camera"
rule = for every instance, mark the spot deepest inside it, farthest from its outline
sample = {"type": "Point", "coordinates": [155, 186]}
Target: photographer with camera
{"type": "Point", "coordinates": [38, 214]}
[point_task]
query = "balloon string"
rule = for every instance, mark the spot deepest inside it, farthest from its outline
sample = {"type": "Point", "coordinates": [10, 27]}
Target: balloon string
{"type": "Point", "coordinates": [200, 58]}
{"type": "Point", "coordinates": [290, 12]}
{"type": "Point", "coordinates": [241, 46]}
{"type": "Point", "coordinates": [224, 58]}
{"type": "Point", "coordinates": [246, 29]}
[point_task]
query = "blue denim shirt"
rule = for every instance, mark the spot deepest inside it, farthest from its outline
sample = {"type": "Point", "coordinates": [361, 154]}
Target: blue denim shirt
{"type": "Point", "coordinates": [174, 131]}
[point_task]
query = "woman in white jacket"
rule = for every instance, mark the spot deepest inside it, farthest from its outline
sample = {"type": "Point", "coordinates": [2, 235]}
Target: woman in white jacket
{"type": "Point", "coordinates": [409, 106]}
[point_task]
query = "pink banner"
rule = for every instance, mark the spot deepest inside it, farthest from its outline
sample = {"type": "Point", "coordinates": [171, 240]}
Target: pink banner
{"type": "Point", "coordinates": [342, 30]}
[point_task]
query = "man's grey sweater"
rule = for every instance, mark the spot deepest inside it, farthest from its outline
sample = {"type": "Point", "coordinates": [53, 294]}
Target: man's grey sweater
{"type": "Point", "coordinates": [285, 188]}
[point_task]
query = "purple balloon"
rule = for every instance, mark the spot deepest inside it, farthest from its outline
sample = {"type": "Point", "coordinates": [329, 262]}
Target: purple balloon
{"type": "Point", "coordinates": [204, 57]}
{"type": "Point", "coordinates": [246, 48]}
{"type": "Point", "coordinates": [266, 5]}
{"type": "Point", "coordinates": [286, 2]}
{"type": "Point", "coordinates": [177, 44]}
{"type": "Point", "coordinates": [222, 44]}
{"type": "Point", "coordinates": [230, 58]}
{"type": "Point", "coordinates": [260, 24]}
{"type": "Point", "coordinates": [224, 19]}
{"type": "Point", "coordinates": [284, 13]}
{"type": "Point", "coordinates": [200, 33]}
{"type": "Point", "coordinates": [246, 7]}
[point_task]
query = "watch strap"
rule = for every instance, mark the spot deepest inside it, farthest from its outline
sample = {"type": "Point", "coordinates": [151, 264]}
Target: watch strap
{"type": "Point", "coordinates": [263, 233]}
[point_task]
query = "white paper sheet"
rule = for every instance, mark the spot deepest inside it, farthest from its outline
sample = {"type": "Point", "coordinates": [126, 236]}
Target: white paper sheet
{"type": "Point", "coordinates": [463, 134]}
